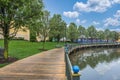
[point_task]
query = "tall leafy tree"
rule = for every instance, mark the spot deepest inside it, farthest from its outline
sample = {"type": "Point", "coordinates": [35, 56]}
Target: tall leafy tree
{"type": "Point", "coordinates": [81, 32]}
{"type": "Point", "coordinates": [57, 27]}
{"type": "Point", "coordinates": [92, 32]}
{"type": "Point", "coordinates": [44, 28]}
{"type": "Point", "coordinates": [15, 14]}
{"type": "Point", "coordinates": [72, 32]}
{"type": "Point", "coordinates": [64, 28]}
{"type": "Point", "coordinates": [100, 35]}
{"type": "Point", "coordinates": [114, 35]}
{"type": "Point", "coordinates": [107, 34]}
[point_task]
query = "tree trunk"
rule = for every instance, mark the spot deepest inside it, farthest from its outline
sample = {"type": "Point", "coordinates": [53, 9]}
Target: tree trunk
{"type": "Point", "coordinates": [58, 38]}
{"type": "Point", "coordinates": [72, 40]}
{"type": "Point", "coordinates": [44, 43]}
{"type": "Point", "coordinates": [6, 41]}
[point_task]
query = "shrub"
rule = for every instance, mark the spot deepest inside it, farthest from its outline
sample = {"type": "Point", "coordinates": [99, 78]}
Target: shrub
{"type": "Point", "coordinates": [32, 36]}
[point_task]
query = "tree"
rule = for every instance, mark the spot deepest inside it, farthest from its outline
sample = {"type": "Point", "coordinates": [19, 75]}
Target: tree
{"type": "Point", "coordinates": [114, 35]}
{"type": "Point", "coordinates": [43, 29]}
{"type": "Point", "coordinates": [92, 32]}
{"type": "Point", "coordinates": [81, 32]}
{"type": "Point", "coordinates": [72, 32]}
{"type": "Point", "coordinates": [32, 35]}
{"type": "Point", "coordinates": [57, 27]}
{"type": "Point", "coordinates": [107, 34]}
{"type": "Point", "coordinates": [100, 35]}
{"type": "Point", "coordinates": [15, 14]}
{"type": "Point", "coordinates": [63, 32]}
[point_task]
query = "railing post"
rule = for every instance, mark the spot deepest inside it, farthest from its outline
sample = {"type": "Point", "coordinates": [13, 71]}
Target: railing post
{"type": "Point", "coordinates": [68, 72]}
{"type": "Point", "coordinates": [76, 73]}
{"type": "Point", "coordinates": [72, 73]}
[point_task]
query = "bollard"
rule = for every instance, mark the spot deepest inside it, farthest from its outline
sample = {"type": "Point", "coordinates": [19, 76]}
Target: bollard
{"type": "Point", "coordinates": [76, 74]}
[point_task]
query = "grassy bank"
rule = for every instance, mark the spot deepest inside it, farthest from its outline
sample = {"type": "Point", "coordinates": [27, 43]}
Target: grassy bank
{"type": "Point", "coordinates": [22, 49]}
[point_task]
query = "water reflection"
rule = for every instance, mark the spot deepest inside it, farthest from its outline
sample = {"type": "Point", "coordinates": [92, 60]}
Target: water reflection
{"type": "Point", "coordinates": [98, 64]}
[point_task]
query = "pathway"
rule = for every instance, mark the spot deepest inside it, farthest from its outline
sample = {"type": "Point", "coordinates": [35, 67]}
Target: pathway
{"type": "Point", "coordinates": [48, 65]}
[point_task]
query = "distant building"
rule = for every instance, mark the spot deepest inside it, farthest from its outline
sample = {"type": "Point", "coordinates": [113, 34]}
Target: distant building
{"type": "Point", "coordinates": [41, 38]}
{"type": "Point", "coordinates": [119, 38]}
{"type": "Point", "coordinates": [24, 33]}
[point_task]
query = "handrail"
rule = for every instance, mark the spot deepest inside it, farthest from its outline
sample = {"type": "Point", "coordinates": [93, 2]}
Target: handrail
{"type": "Point", "coordinates": [91, 45]}
{"type": "Point", "coordinates": [70, 65]}
{"type": "Point", "coordinates": [70, 73]}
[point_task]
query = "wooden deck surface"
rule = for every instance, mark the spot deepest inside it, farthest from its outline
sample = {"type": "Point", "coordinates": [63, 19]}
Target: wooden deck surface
{"type": "Point", "coordinates": [48, 65]}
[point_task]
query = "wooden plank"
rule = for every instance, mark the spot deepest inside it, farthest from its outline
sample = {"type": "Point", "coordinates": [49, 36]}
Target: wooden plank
{"type": "Point", "coordinates": [48, 65]}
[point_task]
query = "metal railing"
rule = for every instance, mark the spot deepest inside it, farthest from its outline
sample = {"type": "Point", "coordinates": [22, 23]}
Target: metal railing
{"type": "Point", "coordinates": [73, 47]}
{"type": "Point", "coordinates": [72, 73]}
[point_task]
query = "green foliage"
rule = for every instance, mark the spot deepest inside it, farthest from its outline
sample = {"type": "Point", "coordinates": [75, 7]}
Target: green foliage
{"type": "Point", "coordinates": [107, 34]}
{"type": "Point", "coordinates": [15, 14]}
{"type": "Point", "coordinates": [2, 65]}
{"type": "Point", "coordinates": [43, 29]}
{"type": "Point", "coordinates": [101, 35]}
{"type": "Point", "coordinates": [92, 32]}
{"type": "Point", "coordinates": [114, 35]}
{"type": "Point", "coordinates": [72, 32]}
{"type": "Point", "coordinates": [32, 36]}
{"type": "Point", "coordinates": [57, 27]}
{"type": "Point", "coordinates": [21, 12]}
{"type": "Point", "coordinates": [81, 31]}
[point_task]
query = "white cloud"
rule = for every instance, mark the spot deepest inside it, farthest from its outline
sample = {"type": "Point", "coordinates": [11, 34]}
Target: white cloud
{"type": "Point", "coordinates": [115, 21]}
{"type": "Point", "coordinates": [102, 70]}
{"type": "Point", "coordinates": [118, 30]}
{"type": "Point", "coordinates": [93, 5]}
{"type": "Point", "coordinates": [68, 25]}
{"type": "Point", "coordinates": [84, 21]}
{"type": "Point", "coordinates": [78, 21]}
{"type": "Point", "coordinates": [115, 1]}
{"type": "Point", "coordinates": [111, 22]}
{"type": "Point", "coordinates": [96, 23]}
{"type": "Point", "coordinates": [100, 29]}
{"type": "Point", "coordinates": [70, 14]}
{"type": "Point", "coordinates": [80, 6]}
{"type": "Point", "coordinates": [117, 15]}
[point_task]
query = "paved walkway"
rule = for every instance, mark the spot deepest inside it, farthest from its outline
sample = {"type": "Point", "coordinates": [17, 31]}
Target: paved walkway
{"type": "Point", "coordinates": [48, 65]}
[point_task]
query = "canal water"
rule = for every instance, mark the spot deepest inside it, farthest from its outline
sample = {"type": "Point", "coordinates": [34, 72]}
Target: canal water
{"type": "Point", "coordinates": [98, 64]}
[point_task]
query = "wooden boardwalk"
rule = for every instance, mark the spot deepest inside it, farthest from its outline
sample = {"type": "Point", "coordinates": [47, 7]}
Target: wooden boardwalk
{"type": "Point", "coordinates": [48, 65]}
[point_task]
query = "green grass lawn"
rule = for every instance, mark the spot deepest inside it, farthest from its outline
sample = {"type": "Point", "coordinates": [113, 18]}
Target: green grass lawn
{"type": "Point", "coordinates": [21, 49]}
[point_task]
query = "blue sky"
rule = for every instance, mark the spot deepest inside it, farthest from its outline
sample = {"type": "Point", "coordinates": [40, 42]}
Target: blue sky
{"type": "Point", "coordinates": [103, 14]}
